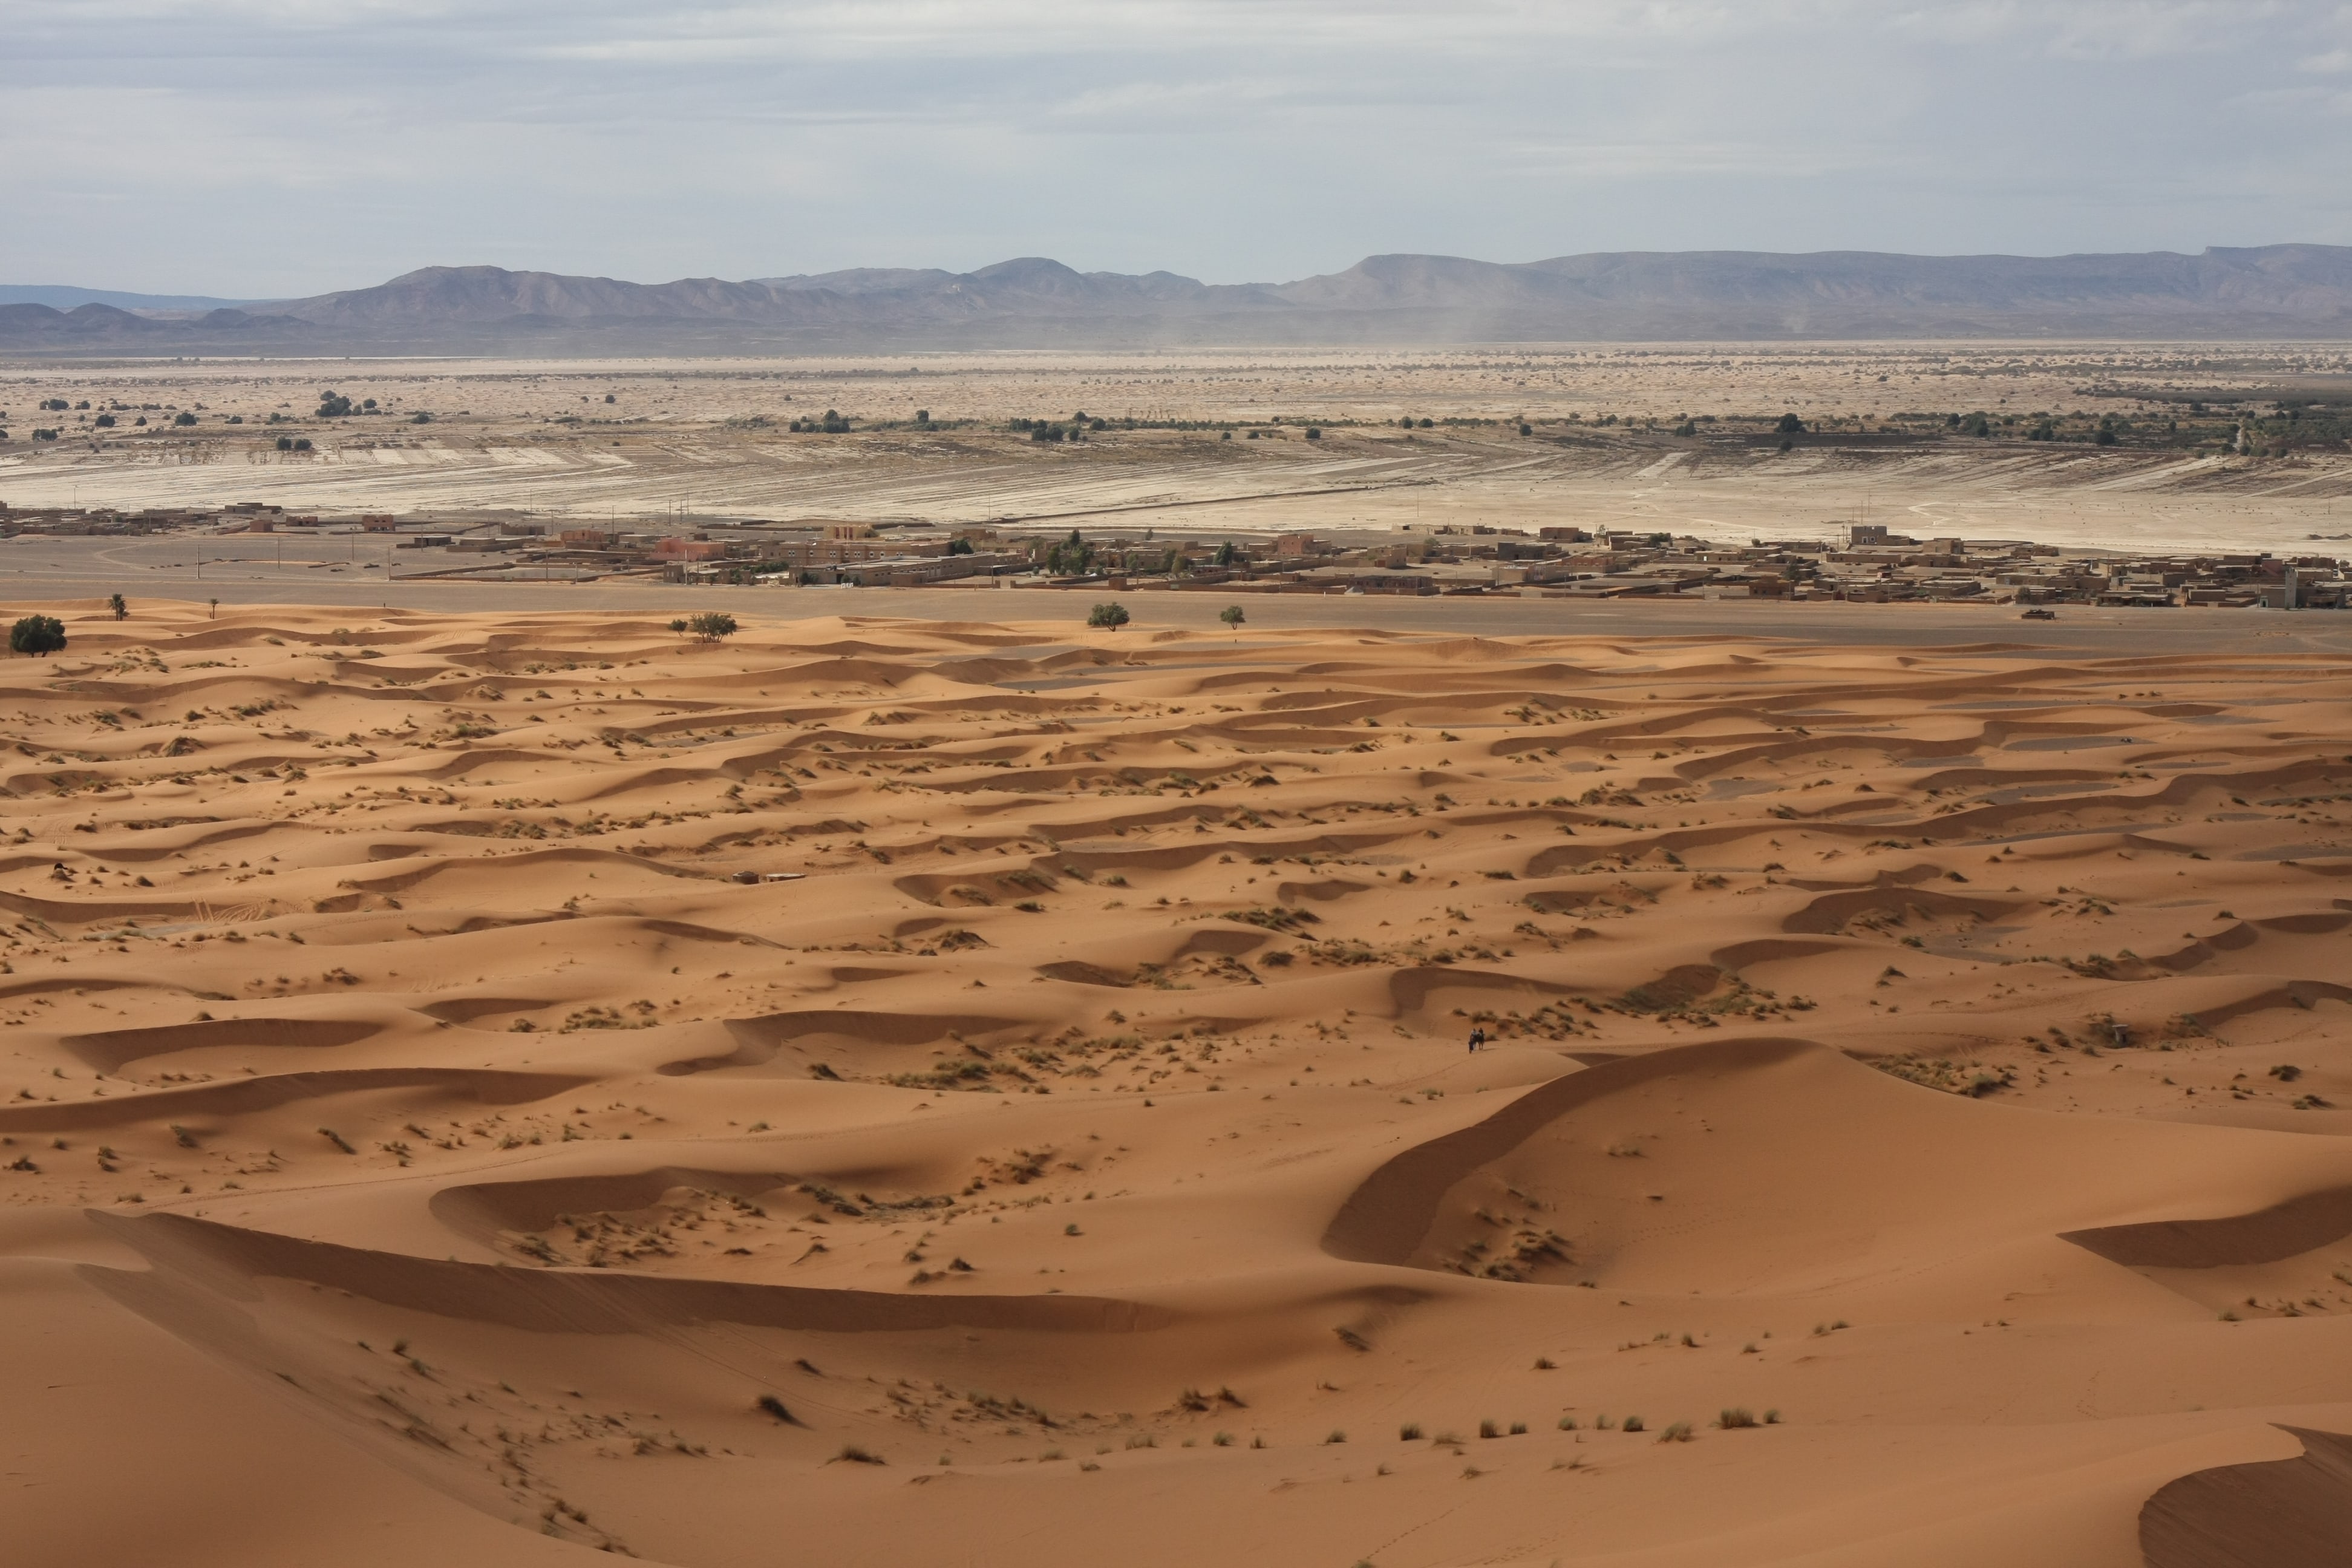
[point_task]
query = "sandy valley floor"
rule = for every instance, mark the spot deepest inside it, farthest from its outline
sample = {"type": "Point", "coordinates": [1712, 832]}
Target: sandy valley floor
{"type": "Point", "coordinates": [1936, 1057]}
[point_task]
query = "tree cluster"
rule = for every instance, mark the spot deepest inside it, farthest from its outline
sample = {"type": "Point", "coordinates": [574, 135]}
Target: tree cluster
{"type": "Point", "coordinates": [1072, 557]}
{"type": "Point", "coordinates": [39, 636]}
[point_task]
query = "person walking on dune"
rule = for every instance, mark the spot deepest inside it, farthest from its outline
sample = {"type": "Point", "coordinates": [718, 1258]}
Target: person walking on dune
{"type": "Point", "coordinates": [1478, 1038]}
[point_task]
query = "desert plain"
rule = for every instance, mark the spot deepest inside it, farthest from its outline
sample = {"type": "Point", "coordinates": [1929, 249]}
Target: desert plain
{"type": "Point", "coordinates": [1009, 1097]}
{"type": "Point", "coordinates": [1668, 437]}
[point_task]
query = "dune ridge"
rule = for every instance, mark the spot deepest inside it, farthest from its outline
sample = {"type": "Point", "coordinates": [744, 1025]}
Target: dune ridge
{"type": "Point", "coordinates": [2283, 1513]}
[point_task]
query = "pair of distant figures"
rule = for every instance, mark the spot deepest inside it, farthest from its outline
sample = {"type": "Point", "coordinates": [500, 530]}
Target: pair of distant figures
{"type": "Point", "coordinates": [1477, 1039]}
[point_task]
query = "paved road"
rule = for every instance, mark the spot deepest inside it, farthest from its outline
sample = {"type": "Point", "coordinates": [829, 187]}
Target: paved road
{"type": "Point", "coordinates": [243, 570]}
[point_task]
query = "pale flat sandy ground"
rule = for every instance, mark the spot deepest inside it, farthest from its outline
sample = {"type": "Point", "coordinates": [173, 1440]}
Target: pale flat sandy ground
{"type": "Point", "coordinates": [677, 441]}
{"type": "Point", "coordinates": [1088, 1136]}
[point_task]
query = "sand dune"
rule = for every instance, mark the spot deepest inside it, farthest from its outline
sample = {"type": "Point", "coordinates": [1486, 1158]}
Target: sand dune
{"type": "Point", "coordinates": [1912, 1125]}
{"type": "Point", "coordinates": [2283, 1511]}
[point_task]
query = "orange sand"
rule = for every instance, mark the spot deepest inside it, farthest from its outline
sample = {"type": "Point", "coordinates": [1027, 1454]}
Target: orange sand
{"type": "Point", "coordinates": [1088, 1136]}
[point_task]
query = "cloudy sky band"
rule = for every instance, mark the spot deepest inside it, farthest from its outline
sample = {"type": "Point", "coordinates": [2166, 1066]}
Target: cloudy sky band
{"type": "Point", "coordinates": [251, 148]}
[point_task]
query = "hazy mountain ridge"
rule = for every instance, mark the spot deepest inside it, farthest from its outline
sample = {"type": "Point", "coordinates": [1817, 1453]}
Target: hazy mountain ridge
{"type": "Point", "coordinates": [2286, 291]}
{"type": "Point", "coordinates": [65, 297]}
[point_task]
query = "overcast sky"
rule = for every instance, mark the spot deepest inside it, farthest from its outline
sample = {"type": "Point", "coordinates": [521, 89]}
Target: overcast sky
{"type": "Point", "coordinates": [255, 148]}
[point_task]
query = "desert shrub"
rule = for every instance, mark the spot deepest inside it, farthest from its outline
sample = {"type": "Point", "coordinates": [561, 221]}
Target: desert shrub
{"type": "Point", "coordinates": [1232, 616]}
{"type": "Point", "coordinates": [1736, 1418]}
{"type": "Point", "coordinates": [1111, 615]}
{"type": "Point", "coordinates": [711, 625]}
{"type": "Point", "coordinates": [39, 636]}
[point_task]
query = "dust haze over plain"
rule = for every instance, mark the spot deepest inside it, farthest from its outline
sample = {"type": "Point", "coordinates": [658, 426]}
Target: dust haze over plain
{"type": "Point", "coordinates": [255, 151]}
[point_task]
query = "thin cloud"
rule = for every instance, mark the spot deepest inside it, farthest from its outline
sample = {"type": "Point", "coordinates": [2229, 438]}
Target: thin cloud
{"type": "Point", "coordinates": [327, 145]}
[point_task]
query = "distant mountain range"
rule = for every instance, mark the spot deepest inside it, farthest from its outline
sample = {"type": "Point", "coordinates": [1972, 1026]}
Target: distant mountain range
{"type": "Point", "coordinates": [2301, 291]}
{"type": "Point", "coordinates": [64, 296]}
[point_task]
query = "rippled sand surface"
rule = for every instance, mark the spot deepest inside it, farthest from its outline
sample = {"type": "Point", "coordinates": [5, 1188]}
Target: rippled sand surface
{"type": "Point", "coordinates": [496, 1087]}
